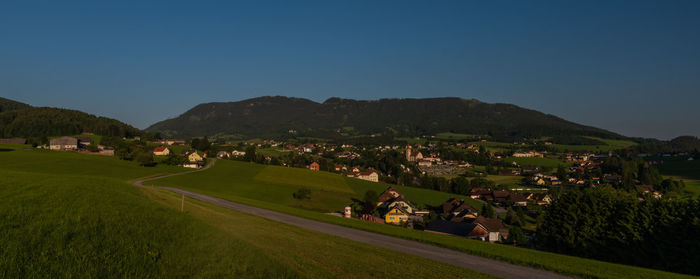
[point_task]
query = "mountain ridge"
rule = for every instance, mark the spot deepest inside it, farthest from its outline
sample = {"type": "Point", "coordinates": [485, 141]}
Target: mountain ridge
{"type": "Point", "coordinates": [276, 115]}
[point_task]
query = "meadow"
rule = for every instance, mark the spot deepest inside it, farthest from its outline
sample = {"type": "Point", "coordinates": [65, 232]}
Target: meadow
{"type": "Point", "coordinates": [329, 192]}
{"type": "Point", "coordinates": [610, 144]}
{"type": "Point", "coordinates": [680, 167]}
{"type": "Point", "coordinates": [239, 182]}
{"type": "Point", "coordinates": [456, 136]}
{"type": "Point", "coordinates": [68, 215]}
{"type": "Point", "coordinates": [536, 161]}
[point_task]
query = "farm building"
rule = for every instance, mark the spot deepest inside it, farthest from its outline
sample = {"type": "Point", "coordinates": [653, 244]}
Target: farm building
{"type": "Point", "coordinates": [63, 143]}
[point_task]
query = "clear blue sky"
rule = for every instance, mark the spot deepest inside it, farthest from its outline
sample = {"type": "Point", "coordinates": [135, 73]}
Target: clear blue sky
{"type": "Point", "coordinates": [632, 67]}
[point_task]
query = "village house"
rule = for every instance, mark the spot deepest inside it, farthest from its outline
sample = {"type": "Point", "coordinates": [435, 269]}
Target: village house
{"type": "Point", "coordinates": [478, 193]}
{"type": "Point", "coordinates": [461, 212]}
{"type": "Point", "coordinates": [172, 142]}
{"type": "Point", "coordinates": [500, 195]}
{"type": "Point", "coordinates": [194, 160]}
{"type": "Point", "coordinates": [340, 168]}
{"type": "Point", "coordinates": [161, 151]}
{"type": "Point", "coordinates": [63, 143]}
{"type": "Point", "coordinates": [518, 199]}
{"type": "Point", "coordinates": [194, 157]}
{"type": "Point", "coordinates": [396, 215]}
{"type": "Point", "coordinates": [529, 154]}
{"type": "Point", "coordinates": [460, 229]}
{"type": "Point", "coordinates": [648, 189]}
{"type": "Point", "coordinates": [397, 209]}
{"type": "Point", "coordinates": [389, 194]}
{"type": "Point", "coordinates": [497, 232]}
{"type": "Point", "coordinates": [106, 151]}
{"type": "Point", "coordinates": [402, 203]}
{"type": "Point", "coordinates": [223, 154]}
{"type": "Point", "coordinates": [237, 153]}
{"type": "Point", "coordinates": [365, 175]}
{"type": "Point", "coordinates": [542, 198]}
{"type": "Point", "coordinates": [83, 142]}
{"type": "Point", "coordinates": [314, 166]}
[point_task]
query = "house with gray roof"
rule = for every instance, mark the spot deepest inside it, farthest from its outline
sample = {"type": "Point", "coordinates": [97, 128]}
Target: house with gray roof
{"type": "Point", "coordinates": [63, 143]}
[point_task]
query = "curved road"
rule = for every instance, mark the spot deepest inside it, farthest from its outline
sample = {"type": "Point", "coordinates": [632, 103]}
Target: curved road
{"type": "Point", "coordinates": [476, 263]}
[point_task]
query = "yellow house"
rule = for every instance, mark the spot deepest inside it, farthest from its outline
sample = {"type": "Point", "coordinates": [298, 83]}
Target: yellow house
{"type": "Point", "coordinates": [403, 204]}
{"type": "Point", "coordinates": [194, 157]}
{"type": "Point", "coordinates": [396, 215]}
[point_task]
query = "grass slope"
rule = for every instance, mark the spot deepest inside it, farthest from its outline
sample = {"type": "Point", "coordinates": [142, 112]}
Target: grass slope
{"type": "Point", "coordinates": [308, 253]}
{"type": "Point", "coordinates": [234, 181]}
{"type": "Point", "coordinates": [67, 215]}
{"type": "Point", "coordinates": [329, 192]}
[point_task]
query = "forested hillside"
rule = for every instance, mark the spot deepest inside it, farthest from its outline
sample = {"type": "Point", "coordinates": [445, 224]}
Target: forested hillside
{"type": "Point", "coordinates": [22, 120]}
{"type": "Point", "coordinates": [270, 116]}
{"type": "Point", "coordinates": [6, 104]}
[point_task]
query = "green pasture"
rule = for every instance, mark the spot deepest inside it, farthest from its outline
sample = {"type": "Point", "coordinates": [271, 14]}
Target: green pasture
{"type": "Point", "coordinates": [232, 181]}
{"type": "Point", "coordinates": [536, 161]}
{"type": "Point", "coordinates": [680, 167]}
{"type": "Point", "coordinates": [307, 253]}
{"type": "Point", "coordinates": [454, 136]}
{"type": "Point", "coordinates": [329, 192]}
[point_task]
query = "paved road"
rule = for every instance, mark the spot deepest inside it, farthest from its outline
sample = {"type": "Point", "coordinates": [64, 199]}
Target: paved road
{"type": "Point", "coordinates": [476, 263]}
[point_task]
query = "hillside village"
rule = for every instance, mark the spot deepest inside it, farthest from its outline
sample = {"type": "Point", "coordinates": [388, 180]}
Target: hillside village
{"type": "Point", "coordinates": [507, 188]}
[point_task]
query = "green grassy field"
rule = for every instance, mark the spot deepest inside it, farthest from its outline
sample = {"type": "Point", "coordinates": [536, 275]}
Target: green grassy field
{"type": "Point", "coordinates": [271, 151]}
{"type": "Point", "coordinates": [505, 179]}
{"type": "Point", "coordinates": [536, 161]}
{"type": "Point", "coordinates": [681, 168]}
{"type": "Point", "coordinates": [68, 215]}
{"type": "Point", "coordinates": [235, 181]}
{"type": "Point", "coordinates": [493, 146]}
{"type": "Point", "coordinates": [308, 253]}
{"type": "Point", "coordinates": [329, 192]}
{"type": "Point", "coordinates": [610, 144]}
{"type": "Point", "coordinates": [693, 186]}
{"type": "Point", "coordinates": [454, 136]}
{"type": "Point", "coordinates": [413, 140]}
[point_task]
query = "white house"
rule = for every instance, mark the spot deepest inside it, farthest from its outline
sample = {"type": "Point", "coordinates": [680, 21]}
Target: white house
{"type": "Point", "coordinates": [369, 175]}
{"type": "Point", "coordinates": [161, 151]}
{"type": "Point", "coordinates": [63, 143]}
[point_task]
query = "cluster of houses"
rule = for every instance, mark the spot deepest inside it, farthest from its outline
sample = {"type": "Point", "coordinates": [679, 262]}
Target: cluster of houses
{"type": "Point", "coordinates": [77, 144]}
{"type": "Point", "coordinates": [505, 196]}
{"type": "Point", "coordinates": [226, 154]}
{"type": "Point", "coordinates": [528, 154]}
{"type": "Point", "coordinates": [460, 219]}
{"type": "Point", "coordinates": [193, 159]}
{"type": "Point", "coordinates": [171, 142]}
{"type": "Point", "coordinates": [370, 175]}
{"type": "Point", "coordinates": [463, 220]}
{"type": "Point", "coordinates": [396, 209]}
